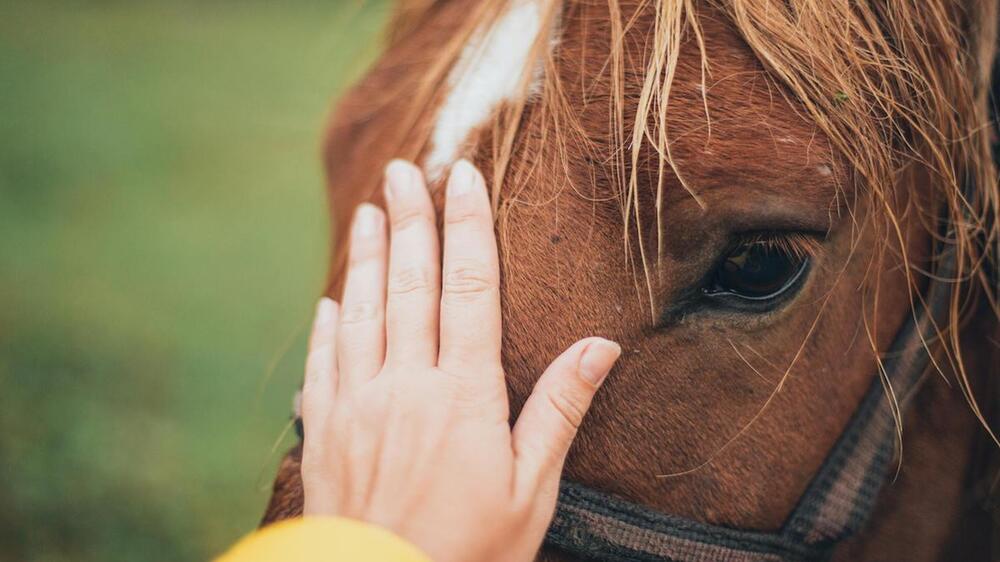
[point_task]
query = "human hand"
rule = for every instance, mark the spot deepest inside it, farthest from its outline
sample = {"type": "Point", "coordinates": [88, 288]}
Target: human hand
{"type": "Point", "coordinates": [404, 403]}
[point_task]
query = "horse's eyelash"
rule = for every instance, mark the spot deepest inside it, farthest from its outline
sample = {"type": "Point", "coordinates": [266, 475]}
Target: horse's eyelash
{"type": "Point", "coordinates": [797, 244]}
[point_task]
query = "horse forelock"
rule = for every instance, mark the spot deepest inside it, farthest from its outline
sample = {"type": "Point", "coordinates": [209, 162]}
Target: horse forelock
{"type": "Point", "coordinates": [885, 83]}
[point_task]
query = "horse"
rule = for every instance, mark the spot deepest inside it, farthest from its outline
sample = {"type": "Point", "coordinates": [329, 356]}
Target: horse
{"type": "Point", "coordinates": [786, 213]}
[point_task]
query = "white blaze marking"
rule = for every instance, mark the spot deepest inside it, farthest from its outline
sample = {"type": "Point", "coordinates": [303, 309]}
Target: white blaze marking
{"type": "Point", "coordinates": [488, 72]}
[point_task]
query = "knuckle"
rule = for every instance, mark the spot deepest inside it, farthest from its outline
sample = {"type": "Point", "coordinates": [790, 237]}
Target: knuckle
{"type": "Point", "coordinates": [368, 410]}
{"type": "Point", "coordinates": [409, 280]}
{"type": "Point", "coordinates": [358, 313]}
{"type": "Point", "coordinates": [411, 217]}
{"type": "Point", "coordinates": [465, 214]}
{"type": "Point", "coordinates": [479, 393]}
{"type": "Point", "coordinates": [569, 409]}
{"type": "Point", "coordinates": [315, 370]}
{"type": "Point", "coordinates": [471, 279]}
{"type": "Point", "coordinates": [321, 337]}
{"type": "Point", "coordinates": [319, 353]}
{"type": "Point", "coordinates": [363, 253]}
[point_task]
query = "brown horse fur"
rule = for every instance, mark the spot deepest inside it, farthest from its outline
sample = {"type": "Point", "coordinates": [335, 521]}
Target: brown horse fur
{"type": "Point", "coordinates": [854, 123]}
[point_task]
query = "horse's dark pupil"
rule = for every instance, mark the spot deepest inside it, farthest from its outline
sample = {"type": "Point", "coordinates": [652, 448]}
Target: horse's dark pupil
{"type": "Point", "coordinates": [757, 271]}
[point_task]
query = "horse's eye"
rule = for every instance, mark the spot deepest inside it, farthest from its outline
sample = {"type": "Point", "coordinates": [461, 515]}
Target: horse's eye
{"type": "Point", "coordinates": [758, 270]}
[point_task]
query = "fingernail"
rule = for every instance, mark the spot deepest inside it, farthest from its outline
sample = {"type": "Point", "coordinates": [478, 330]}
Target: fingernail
{"type": "Point", "coordinates": [598, 359]}
{"type": "Point", "coordinates": [400, 177]}
{"type": "Point", "coordinates": [463, 178]}
{"type": "Point", "coordinates": [365, 220]}
{"type": "Point", "coordinates": [324, 311]}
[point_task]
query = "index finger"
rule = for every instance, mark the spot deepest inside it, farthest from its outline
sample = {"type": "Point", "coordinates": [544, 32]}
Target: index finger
{"type": "Point", "coordinates": [470, 278]}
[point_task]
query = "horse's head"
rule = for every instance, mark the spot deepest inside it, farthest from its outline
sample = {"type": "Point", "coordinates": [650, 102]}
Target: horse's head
{"type": "Point", "coordinates": [745, 194]}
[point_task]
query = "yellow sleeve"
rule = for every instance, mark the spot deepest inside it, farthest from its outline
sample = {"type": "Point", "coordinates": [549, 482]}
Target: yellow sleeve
{"type": "Point", "coordinates": [330, 539]}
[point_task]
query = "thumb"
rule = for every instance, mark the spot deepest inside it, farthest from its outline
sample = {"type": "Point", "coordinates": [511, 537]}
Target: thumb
{"type": "Point", "coordinates": [549, 420]}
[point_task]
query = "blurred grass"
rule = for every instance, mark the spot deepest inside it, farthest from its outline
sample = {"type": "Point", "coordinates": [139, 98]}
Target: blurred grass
{"type": "Point", "coordinates": [162, 235]}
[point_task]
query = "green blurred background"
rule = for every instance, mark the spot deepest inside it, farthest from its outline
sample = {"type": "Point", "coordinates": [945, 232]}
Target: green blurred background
{"type": "Point", "coordinates": [162, 239]}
